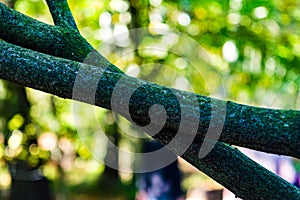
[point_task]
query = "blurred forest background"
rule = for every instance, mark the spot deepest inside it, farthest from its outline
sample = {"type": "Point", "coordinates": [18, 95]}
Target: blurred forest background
{"type": "Point", "coordinates": [240, 50]}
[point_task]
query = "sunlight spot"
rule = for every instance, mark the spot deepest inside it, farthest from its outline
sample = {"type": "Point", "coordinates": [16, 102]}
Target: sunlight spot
{"type": "Point", "coordinates": [5, 180]}
{"type": "Point", "coordinates": [16, 122]}
{"type": "Point", "coordinates": [184, 19]}
{"type": "Point", "coordinates": [273, 28]}
{"type": "Point", "coordinates": [155, 2]}
{"type": "Point", "coordinates": [65, 145]}
{"type": "Point", "coordinates": [89, 12]}
{"type": "Point", "coordinates": [270, 66]}
{"type": "Point", "coordinates": [193, 29]}
{"type": "Point", "coordinates": [121, 35]}
{"type": "Point", "coordinates": [125, 18]}
{"type": "Point", "coordinates": [296, 49]}
{"type": "Point", "coordinates": [3, 92]}
{"type": "Point", "coordinates": [105, 34]}
{"type": "Point", "coordinates": [260, 12]}
{"type": "Point", "coordinates": [253, 61]}
{"type": "Point", "coordinates": [34, 150]}
{"type": "Point", "coordinates": [133, 70]}
{"type": "Point", "coordinates": [158, 28]}
{"type": "Point", "coordinates": [2, 138]}
{"type": "Point", "coordinates": [230, 52]}
{"type": "Point", "coordinates": [170, 38]}
{"type": "Point", "coordinates": [119, 5]}
{"type": "Point", "coordinates": [291, 88]}
{"type": "Point", "coordinates": [280, 70]}
{"type": "Point", "coordinates": [121, 32]}
{"type": "Point", "coordinates": [155, 17]}
{"type": "Point", "coordinates": [47, 141]}
{"type": "Point", "coordinates": [257, 28]}
{"type": "Point", "coordinates": [234, 18]}
{"type": "Point", "coordinates": [182, 83]}
{"type": "Point", "coordinates": [105, 19]}
{"type": "Point", "coordinates": [15, 139]}
{"type": "Point", "coordinates": [236, 4]}
{"type": "Point", "coordinates": [180, 63]}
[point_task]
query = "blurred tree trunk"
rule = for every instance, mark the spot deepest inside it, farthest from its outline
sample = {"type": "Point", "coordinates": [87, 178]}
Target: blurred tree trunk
{"type": "Point", "coordinates": [112, 155]}
{"type": "Point", "coordinates": [214, 195]}
{"type": "Point", "coordinates": [27, 183]}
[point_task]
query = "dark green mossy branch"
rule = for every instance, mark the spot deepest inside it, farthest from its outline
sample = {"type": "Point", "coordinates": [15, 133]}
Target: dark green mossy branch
{"type": "Point", "coordinates": [32, 34]}
{"type": "Point", "coordinates": [225, 164]}
{"type": "Point", "coordinates": [264, 129]}
{"type": "Point", "coordinates": [268, 130]}
{"type": "Point", "coordinates": [58, 41]}
{"type": "Point", "coordinates": [228, 166]}
{"type": "Point", "coordinates": [66, 43]}
{"type": "Point", "coordinates": [61, 14]}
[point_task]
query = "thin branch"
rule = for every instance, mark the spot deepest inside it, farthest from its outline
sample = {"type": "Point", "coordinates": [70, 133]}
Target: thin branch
{"type": "Point", "coordinates": [57, 76]}
{"type": "Point", "coordinates": [61, 13]}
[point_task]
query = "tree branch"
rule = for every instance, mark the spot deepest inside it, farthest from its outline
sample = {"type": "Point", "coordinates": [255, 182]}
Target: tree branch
{"type": "Point", "coordinates": [36, 35]}
{"type": "Point", "coordinates": [57, 76]}
{"type": "Point", "coordinates": [61, 13]}
{"type": "Point", "coordinates": [235, 171]}
{"type": "Point", "coordinates": [270, 131]}
{"type": "Point", "coordinates": [53, 40]}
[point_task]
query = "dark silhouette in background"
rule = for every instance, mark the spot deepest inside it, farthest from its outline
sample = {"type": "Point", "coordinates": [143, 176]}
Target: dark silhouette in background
{"type": "Point", "coordinates": [161, 184]}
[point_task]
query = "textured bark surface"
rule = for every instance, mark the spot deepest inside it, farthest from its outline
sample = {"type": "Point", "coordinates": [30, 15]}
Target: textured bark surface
{"type": "Point", "coordinates": [99, 83]}
{"type": "Point", "coordinates": [58, 41]}
{"type": "Point", "coordinates": [268, 130]}
{"type": "Point", "coordinates": [61, 14]}
{"type": "Point", "coordinates": [224, 164]}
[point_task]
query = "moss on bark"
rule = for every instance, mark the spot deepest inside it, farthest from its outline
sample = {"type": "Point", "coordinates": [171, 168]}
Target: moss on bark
{"type": "Point", "coordinates": [225, 164]}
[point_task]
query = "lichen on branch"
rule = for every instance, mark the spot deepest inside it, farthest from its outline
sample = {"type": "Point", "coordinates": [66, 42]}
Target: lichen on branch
{"type": "Point", "coordinates": [61, 14]}
{"type": "Point", "coordinates": [225, 164]}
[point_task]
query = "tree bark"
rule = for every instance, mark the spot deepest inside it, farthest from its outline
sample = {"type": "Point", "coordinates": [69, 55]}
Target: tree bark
{"type": "Point", "coordinates": [268, 130]}
{"type": "Point", "coordinates": [53, 40]}
{"type": "Point", "coordinates": [225, 164]}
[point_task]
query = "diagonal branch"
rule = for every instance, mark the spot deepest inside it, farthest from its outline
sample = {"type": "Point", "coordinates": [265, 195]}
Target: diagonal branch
{"type": "Point", "coordinates": [235, 171]}
{"type": "Point", "coordinates": [61, 13]}
{"type": "Point", "coordinates": [268, 130]}
{"type": "Point", "coordinates": [57, 76]}
{"type": "Point", "coordinates": [42, 37]}
{"type": "Point", "coordinates": [53, 40]}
